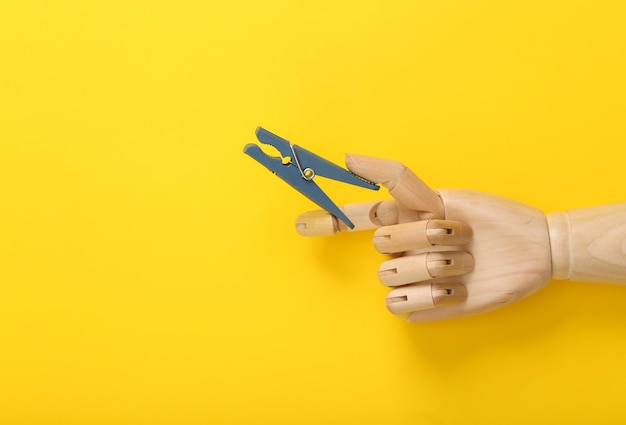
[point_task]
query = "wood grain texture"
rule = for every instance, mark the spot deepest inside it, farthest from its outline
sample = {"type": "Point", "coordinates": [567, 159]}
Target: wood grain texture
{"type": "Point", "coordinates": [589, 244]}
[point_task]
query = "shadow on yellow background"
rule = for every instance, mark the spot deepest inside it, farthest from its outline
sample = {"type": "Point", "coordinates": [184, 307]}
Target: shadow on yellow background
{"type": "Point", "coordinates": [150, 272]}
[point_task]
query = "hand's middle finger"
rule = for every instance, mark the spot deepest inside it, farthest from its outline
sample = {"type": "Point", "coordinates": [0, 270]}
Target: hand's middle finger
{"type": "Point", "coordinates": [421, 234]}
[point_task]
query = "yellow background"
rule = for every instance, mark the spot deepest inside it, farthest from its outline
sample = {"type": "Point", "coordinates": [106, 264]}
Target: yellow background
{"type": "Point", "coordinates": [150, 272]}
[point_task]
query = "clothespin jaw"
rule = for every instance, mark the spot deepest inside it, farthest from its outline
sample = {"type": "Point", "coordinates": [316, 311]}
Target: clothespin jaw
{"type": "Point", "coordinates": [298, 167]}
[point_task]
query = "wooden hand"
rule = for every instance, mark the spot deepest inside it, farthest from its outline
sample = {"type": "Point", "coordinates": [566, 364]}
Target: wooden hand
{"type": "Point", "coordinates": [461, 252]}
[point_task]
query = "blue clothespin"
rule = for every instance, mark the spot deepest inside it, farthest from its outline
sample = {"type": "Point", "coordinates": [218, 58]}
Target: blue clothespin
{"type": "Point", "coordinates": [298, 167]}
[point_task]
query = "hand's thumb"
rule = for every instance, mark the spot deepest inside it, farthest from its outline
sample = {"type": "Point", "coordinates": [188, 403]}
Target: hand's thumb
{"type": "Point", "coordinates": [408, 189]}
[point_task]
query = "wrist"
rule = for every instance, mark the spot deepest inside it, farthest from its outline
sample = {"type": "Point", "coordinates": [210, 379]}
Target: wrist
{"type": "Point", "coordinates": [589, 244]}
{"type": "Point", "coordinates": [560, 244]}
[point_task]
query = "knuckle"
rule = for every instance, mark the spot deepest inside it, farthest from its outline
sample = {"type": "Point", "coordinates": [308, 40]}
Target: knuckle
{"type": "Point", "coordinates": [448, 232]}
{"type": "Point", "coordinates": [404, 270]}
{"type": "Point", "coordinates": [410, 298]}
{"type": "Point", "coordinates": [401, 237]}
{"type": "Point", "coordinates": [449, 263]}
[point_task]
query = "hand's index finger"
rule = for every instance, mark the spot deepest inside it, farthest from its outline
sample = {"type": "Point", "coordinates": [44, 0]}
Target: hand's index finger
{"type": "Point", "coordinates": [408, 189]}
{"type": "Point", "coordinates": [364, 216]}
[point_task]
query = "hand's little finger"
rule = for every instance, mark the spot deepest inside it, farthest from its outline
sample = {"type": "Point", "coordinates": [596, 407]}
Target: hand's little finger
{"type": "Point", "coordinates": [417, 268]}
{"type": "Point", "coordinates": [424, 296]}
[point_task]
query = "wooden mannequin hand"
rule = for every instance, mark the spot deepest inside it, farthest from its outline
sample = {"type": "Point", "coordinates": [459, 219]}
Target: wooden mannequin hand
{"type": "Point", "coordinates": [460, 252]}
